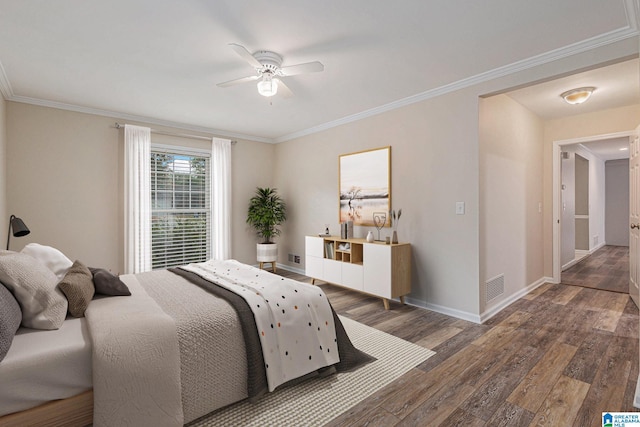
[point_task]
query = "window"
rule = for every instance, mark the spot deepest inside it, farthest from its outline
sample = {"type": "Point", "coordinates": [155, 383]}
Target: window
{"type": "Point", "coordinates": [180, 207]}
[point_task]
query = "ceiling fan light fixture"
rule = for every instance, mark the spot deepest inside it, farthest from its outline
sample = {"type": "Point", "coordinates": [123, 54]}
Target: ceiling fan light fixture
{"type": "Point", "coordinates": [267, 86]}
{"type": "Point", "coordinates": [577, 96]}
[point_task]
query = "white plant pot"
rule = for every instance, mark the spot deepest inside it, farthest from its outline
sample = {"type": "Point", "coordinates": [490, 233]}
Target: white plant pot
{"type": "Point", "coordinates": [267, 252]}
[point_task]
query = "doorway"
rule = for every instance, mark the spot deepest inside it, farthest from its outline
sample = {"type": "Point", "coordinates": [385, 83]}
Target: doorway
{"type": "Point", "coordinates": [581, 230]}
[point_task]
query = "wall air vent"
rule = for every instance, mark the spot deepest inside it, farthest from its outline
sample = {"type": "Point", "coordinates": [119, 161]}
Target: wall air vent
{"type": "Point", "coordinates": [495, 287]}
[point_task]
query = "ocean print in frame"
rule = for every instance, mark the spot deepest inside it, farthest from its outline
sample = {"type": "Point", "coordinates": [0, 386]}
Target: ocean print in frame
{"type": "Point", "coordinates": [364, 185]}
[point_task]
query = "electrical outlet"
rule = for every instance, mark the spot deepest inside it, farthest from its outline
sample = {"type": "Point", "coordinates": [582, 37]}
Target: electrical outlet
{"type": "Point", "coordinates": [296, 259]}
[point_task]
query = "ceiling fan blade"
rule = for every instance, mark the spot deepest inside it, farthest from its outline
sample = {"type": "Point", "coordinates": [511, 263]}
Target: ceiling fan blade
{"type": "Point", "coordinates": [238, 81]}
{"type": "Point", "coordinates": [308, 67]}
{"type": "Point", "coordinates": [246, 55]}
{"type": "Point", "coordinates": [283, 89]}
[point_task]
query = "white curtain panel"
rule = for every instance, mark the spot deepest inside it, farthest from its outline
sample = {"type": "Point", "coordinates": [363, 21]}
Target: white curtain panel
{"type": "Point", "coordinates": [137, 199]}
{"type": "Point", "coordinates": [221, 198]}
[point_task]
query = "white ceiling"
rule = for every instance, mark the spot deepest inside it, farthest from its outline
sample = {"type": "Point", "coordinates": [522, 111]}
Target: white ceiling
{"type": "Point", "coordinates": [609, 149]}
{"type": "Point", "coordinates": [616, 85]}
{"type": "Point", "coordinates": [159, 61]}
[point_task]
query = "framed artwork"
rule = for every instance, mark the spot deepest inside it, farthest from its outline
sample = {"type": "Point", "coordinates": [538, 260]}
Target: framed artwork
{"type": "Point", "coordinates": [365, 187]}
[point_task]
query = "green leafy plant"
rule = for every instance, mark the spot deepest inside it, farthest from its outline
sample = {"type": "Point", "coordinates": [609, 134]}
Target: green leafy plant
{"type": "Point", "coordinates": [266, 211]}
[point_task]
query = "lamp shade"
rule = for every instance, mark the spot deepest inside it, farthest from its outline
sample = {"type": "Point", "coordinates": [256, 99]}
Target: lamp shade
{"type": "Point", "coordinates": [267, 86]}
{"type": "Point", "coordinates": [18, 227]}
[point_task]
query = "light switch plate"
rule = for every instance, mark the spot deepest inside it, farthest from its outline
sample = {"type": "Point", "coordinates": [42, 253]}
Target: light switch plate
{"type": "Point", "coordinates": [459, 208]}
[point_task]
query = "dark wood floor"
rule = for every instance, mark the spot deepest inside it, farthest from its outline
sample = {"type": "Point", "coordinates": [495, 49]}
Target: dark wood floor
{"type": "Point", "coordinates": [606, 269]}
{"type": "Point", "coordinates": [559, 356]}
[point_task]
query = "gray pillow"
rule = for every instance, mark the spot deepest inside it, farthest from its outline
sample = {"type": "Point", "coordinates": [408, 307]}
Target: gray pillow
{"type": "Point", "coordinates": [10, 318]}
{"type": "Point", "coordinates": [35, 288]}
{"type": "Point", "coordinates": [77, 286]}
{"type": "Point", "coordinates": [108, 284]}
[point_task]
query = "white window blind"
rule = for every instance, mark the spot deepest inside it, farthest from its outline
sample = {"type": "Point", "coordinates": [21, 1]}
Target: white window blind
{"type": "Point", "coordinates": [180, 208]}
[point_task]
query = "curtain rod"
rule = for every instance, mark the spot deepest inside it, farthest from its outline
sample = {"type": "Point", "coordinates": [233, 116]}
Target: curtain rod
{"type": "Point", "coordinates": [181, 135]}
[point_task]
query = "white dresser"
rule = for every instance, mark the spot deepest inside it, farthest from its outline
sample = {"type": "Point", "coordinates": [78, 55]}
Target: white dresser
{"type": "Point", "coordinates": [379, 269]}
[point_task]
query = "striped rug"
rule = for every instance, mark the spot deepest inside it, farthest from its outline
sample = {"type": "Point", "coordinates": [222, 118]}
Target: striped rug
{"type": "Point", "coordinates": [319, 400]}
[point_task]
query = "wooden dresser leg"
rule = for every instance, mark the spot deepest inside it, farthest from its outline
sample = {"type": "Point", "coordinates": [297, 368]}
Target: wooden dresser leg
{"type": "Point", "coordinates": [313, 281]}
{"type": "Point", "coordinates": [261, 265]}
{"type": "Point", "coordinates": [402, 299]}
{"type": "Point", "coordinates": [274, 266]}
{"type": "Point", "coordinates": [386, 303]}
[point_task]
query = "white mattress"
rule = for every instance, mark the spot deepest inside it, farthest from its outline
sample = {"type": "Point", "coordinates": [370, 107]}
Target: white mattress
{"type": "Point", "coordinates": [45, 365]}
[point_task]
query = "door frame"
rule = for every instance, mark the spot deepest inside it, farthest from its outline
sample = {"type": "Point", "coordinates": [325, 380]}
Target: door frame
{"type": "Point", "coordinates": [557, 193]}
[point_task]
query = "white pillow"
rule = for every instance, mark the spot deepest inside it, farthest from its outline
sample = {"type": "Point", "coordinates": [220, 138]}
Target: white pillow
{"type": "Point", "coordinates": [52, 258]}
{"type": "Point", "coordinates": [36, 288]}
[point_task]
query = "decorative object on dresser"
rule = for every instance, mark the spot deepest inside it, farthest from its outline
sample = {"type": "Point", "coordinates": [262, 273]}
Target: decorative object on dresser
{"type": "Point", "coordinates": [379, 220]}
{"type": "Point", "coordinates": [266, 211]}
{"type": "Point", "coordinates": [392, 215]}
{"type": "Point", "coordinates": [379, 269]}
{"type": "Point", "coordinates": [370, 238]}
{"type": "Point", "coordinates": [346, 230]}
{"type": "Point", "coordinates": [19, 228]}
{"type": "Point", "coordinates": [364, 185]}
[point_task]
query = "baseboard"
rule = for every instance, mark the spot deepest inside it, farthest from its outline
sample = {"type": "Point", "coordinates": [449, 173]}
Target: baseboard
{"type": "Point", "coordinates": [488, 314]}
{"type": "Point", "coordinates": [577, 259]}
{"type": "Point", "coordinates": [471, 317]}
{"type": "Point", "coordinates": [291, 269]}
{"type": "Point", "coordinates": [583, 254]}
{"type": "Point", "coordinates": [592, 250]}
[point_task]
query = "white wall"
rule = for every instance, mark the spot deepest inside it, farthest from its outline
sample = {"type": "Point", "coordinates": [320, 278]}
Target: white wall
{"type": "Point", "coordinates": [582, 203]}
{"type": "Point", "coordinates": [597, 193]}
{"type": "Point", "coordinates": [568, 208]}
{"type": "Point", "coordinates": [617, 202]}
{"type": "Point", "coordinates": [65, 180]}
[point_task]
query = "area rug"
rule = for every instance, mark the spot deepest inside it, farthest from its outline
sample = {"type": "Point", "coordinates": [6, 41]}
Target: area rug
{"type": "Point", "coordinates": [317, 401]}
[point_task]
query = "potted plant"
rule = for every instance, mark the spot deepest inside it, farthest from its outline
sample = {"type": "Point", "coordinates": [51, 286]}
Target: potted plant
{"type": "Point", "coordinates": [266, 212]}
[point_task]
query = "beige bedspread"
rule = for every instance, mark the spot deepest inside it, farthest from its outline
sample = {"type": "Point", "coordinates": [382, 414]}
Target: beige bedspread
{"type": "Point", "coordinates": [134, 343]}
{"type": "Point", "coordinates": [213, 365]}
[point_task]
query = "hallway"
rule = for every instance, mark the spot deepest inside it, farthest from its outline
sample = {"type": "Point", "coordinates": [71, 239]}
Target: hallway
{"type": "Point", "coordinates": [606, 269]}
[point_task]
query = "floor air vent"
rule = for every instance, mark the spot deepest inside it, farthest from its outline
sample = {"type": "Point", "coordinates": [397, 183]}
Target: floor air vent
{"type": "Point", "coordinates": [495, 287]}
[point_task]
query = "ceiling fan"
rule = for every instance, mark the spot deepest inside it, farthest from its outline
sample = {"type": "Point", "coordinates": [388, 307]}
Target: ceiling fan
{"type": "Point", "coordinates": [269, 71]}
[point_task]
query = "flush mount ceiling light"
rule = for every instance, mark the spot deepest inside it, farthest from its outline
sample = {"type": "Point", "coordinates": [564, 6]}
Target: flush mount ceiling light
{"type": "Point", "coordinates": [577, 96]}
{"type": "Point", "coordinates": [267, 86]}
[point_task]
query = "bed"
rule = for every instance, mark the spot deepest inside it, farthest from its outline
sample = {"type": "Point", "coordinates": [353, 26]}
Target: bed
{"type": "Point", "coordinates": [184, 339]}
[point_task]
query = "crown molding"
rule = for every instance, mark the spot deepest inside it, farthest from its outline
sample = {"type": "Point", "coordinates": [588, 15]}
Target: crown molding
{"type": "Point", "coordinates": [135, 118]}
{"type": "Point", "coordinates": [632, 10]}
{"type": "Point", "coordinates": [554, 55]}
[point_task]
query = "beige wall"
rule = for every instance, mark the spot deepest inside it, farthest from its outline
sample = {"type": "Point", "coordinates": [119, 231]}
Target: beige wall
{"type": "Point", "coordinates": [435, 162]}
{"type": "Point", "coordinates": [433, 166]}
{"type": "Point", "coordinates": [4, 217]}
{"type": "Point", "coordinates": [604, 122]}
{"type": "Point", "coordinates": [510, 196]}
{"type": "Point", "coordinates": [64, 180]}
